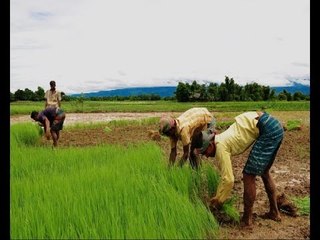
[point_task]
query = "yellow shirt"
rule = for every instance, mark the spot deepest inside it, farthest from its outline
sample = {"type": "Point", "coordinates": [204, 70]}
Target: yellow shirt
{"type": "Point", "coordinates": [189, 121]}
{"type": "Point", "coordinates": [235, 140]}
{"type": "Point", "coordinates": [52, 98]}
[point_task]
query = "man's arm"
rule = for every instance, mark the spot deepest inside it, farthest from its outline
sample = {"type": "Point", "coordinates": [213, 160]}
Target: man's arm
{"type": "Point", "coordinates": [173, 152]}
{"type": "Point", "coordinates": [185, 152]}
{"type": "Point", "coordinates": [47, 128]}
{"type": "Point", "coordinates": [173, 155]}
{"type": "Point", "coordinates": [46, 99]}
{"type": "Point", "coordinates": [226, 180]}
{"type": "Point", "coordinates": [59, 99]}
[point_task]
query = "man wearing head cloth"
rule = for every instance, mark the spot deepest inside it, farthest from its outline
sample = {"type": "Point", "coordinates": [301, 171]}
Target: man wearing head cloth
{"type": "Point", "coordinates": [266, 133]}
{"type": "Point", "coordinates": [183, 128]}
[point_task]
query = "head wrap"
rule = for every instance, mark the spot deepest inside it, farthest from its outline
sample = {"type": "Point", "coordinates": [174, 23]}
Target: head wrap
{"type": "Point", "coordinates": [165, 124]}
{"type": "Point", "coordinates": [207, 137]}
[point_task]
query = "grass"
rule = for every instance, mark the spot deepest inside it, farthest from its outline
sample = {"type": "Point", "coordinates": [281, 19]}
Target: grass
{"type": "Point", "coordinates": [107, 191]}
{"type": "Point", "coordinates": [25, 107]}
{"type": "Point", "coordinates": [294, 125]}
{"type": "Point", "coordinates": [25, 134]}
{"type": "Point", "coordinates": [303, 205]}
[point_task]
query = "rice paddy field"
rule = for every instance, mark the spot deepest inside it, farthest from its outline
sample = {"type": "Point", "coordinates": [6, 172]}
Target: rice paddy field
{"type": "Point", "coordinates": [111, 192]}
{"type": "Point", "coordinates": [110, 180]}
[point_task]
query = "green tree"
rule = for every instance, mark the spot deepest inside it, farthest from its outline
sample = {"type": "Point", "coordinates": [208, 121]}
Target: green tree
{"type": "Point", "coordinates": [194, 91]}
{"type": "Point", "coordinates": [20, 95]}
{"type": "Point", "coordinates": [204, 96]}
{"type": "Point", "coordinates": [297, 96]}
{"type": "Point", "coordinates": [282, 96]}
{"type": "Point", "coordinates": [223, 92]}
{"type": "Point", "coordinates": [12, 98]}
{"type": "Point", "coordinates": [213, 91]}
{"type": "Point", "coordinates": [39, 94]}
{"type": "Point", "coordinates": [266, 91]}
{"type": "Point", "coordinates": [182, 92]}
{"type": "Point", "coordinates": [230, 87]}
{"type": "Point", "coordinates": [289, 96]}
{"type": "Point", "coordinates": [253, 92]}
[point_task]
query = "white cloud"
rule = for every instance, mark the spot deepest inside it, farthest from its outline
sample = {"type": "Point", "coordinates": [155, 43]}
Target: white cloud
{"type": "Point", "coordinates": [92, 45]}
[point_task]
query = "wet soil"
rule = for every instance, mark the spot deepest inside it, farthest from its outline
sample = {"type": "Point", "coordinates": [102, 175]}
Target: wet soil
{"type": "Point", "coordinates": [291, 169]}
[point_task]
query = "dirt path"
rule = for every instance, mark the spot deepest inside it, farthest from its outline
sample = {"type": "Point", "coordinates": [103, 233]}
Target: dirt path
{"type": "Point", "coordinates": [105, 117]}
{"type": "Point", "coordinates": [73, 118]}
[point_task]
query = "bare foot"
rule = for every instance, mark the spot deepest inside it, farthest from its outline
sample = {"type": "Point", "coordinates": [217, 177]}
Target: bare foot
{"type": "Point", "coordinates": [245, 225]}
{"type": "Point", "coordinates": [274, 217]}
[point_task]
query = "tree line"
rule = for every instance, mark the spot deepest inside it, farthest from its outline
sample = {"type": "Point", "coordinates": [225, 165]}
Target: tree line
{"type": "Point", "coordinates": [231, 91]}
{"type": "Point", "coordinates": [185, 92]}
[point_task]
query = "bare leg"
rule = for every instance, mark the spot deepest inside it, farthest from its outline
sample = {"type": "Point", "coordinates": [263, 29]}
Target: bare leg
{"type": "Point", "coordinates": [173, 155]}
{"type": "Point", "coordinates": [249, 196]}
{"type": "Point", "coordinates": [194, 160]}
{"type": "Point", "coordinates": [270, 187]}
{"type": "Point", "coordinates": [54, 138]}
{"type": "Point", "coordinates": [58, 135]}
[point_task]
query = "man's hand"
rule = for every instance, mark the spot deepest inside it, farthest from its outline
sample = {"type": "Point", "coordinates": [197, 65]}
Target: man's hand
{"type": "Point", "coordinates": [215, 204]}
{"type": "Point", "coordinates": [219, 213]}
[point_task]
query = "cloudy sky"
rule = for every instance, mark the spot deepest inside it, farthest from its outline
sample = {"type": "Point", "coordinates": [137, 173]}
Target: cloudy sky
{"type": "Point", "coordinates": [92, 45]}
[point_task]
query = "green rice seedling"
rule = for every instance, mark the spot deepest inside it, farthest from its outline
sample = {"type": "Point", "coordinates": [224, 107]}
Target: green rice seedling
{"type": "Point", "coordinates": [303, 205]}
{"type": "Point", "coordinates": [139, 122]}
{"type": "Point", "coordinates": [107, 129]}
{"type": "Point", "coordinates": [224, 125]}
{"type": "Point", "coordinates": [103, 192]}
{"type": "Point", "coordinates": [213, 178]}
{"type": "Point", "coordinates": [294, 125]}
{"type": "Point", "coordinates": [200, 185]}
{"type": "Point", "coordinates": [25, 107]}
{"type": "Point", "coordinates": [91, 125]}
{"type": "Point", "coordinates": [230, 210]}
{"type": "Point", "coordinates": [25, 134]}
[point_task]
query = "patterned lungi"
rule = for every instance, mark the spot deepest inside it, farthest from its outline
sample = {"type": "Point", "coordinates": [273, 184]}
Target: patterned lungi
{"type": "Point", "coordinates": [57, 124]}
{"type": "Point", "coordinates": [266, 146]}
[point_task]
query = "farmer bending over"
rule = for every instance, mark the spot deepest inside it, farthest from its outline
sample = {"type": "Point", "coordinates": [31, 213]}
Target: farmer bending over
{"type": "Point", "coordinates": [52, 120]}
{"type": "Point", "coordinates": [266, 133]}
{"type": "Point", "coordinates": [183, 128]}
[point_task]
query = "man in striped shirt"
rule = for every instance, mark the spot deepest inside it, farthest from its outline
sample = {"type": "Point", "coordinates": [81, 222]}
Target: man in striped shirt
{"type": "Point", "coordinates": [183, 128]}
{"type": "Point", "coordinates": [266, 133]}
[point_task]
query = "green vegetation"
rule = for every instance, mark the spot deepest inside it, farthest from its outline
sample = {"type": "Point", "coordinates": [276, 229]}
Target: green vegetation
{"type": "Point", "coordinates": [303, 205]}
{"type": "Point", "coordinates": [25, 107]}
{"type": "Point", "coordinates": [294, 125]}
{"type": "Point", "coordinates": [105, 192]}
{"type": "Point", "coordinates": [25, 134]}
{"type": "Point", "coordinates": [229, 90]}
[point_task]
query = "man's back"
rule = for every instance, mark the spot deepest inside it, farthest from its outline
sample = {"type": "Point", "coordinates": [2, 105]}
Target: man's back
{"type": "Point", "coordinates": [189, 121]}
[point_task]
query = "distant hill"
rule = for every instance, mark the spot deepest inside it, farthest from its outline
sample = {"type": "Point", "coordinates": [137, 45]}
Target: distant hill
{"type": "Point", "coordinates": [296, 87]}
{"type": "Point", "coordinates": [169, 91]}
{"type": "Point", "coordinates": [125, 92]}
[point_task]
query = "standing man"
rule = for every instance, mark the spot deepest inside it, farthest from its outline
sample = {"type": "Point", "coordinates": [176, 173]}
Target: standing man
{"type": "Point", "coordinates": [52, 96]}
{"type": "Point", "coordinates": [183, 128]}
{"type": "Point", "coordinates": [266, 133]}
{"type": "Point", "coordinates": [52, 120]}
